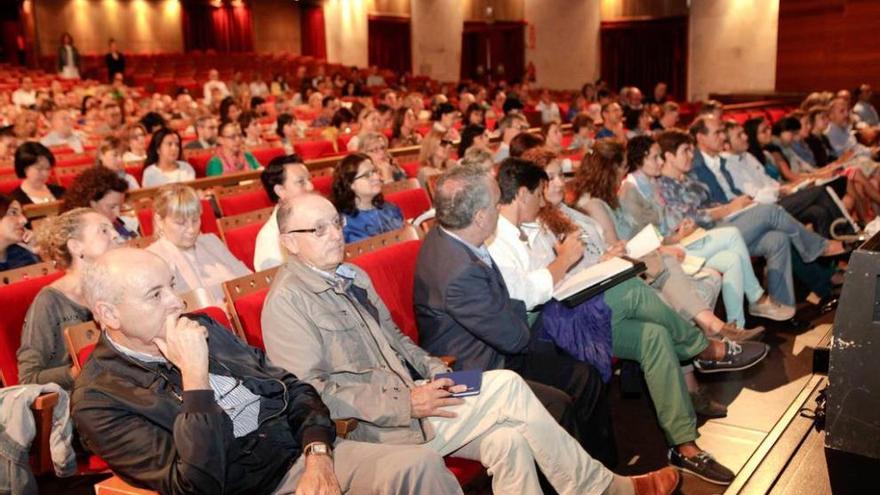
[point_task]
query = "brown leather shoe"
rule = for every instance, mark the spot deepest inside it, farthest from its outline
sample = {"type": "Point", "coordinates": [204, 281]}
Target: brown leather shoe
{"type": "Point", "coordinates": [660, 482]}
{"type": "Point", "coordinates": [732, 332]}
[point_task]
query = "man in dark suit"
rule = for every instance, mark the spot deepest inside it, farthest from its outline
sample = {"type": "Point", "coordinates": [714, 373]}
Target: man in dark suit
{"type": "Point", "coordinates": [463, 309]}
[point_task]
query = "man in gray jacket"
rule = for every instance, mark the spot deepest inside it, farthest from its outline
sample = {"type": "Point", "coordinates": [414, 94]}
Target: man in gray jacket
{"type": "Point", "coordinates": [323, 321]}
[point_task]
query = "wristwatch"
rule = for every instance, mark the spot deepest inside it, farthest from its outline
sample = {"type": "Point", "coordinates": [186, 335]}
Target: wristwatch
{"type": "Point", "coordinates": [318, 448]}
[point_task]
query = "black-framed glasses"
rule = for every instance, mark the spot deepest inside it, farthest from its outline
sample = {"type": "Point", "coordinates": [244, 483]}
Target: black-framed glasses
{"type": "Point", "coordinates": [446, 142]}
{"type": "Point", "coordinates": [322, 229]}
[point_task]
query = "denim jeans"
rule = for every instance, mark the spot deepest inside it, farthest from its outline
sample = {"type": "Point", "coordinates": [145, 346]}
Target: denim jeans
{"type": "Point", "coordinates": [769, 231]}
{"type": "Point", "coordinates": [726, 251]}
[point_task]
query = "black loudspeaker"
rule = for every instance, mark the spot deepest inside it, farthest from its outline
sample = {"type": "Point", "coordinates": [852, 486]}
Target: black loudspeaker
{"type": "Point", "coordinates": [853, 408]}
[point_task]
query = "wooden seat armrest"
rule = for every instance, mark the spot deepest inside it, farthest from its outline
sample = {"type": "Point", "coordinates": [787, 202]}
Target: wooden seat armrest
{"type": "Point", "coordinates": [448, 360]}
{"type": "Point", "coordinates": [345, 426]}
{"type": "Point", "coordinates": [41, 455]}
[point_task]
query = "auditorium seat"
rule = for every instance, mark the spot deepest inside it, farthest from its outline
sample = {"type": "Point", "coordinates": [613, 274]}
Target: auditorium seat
{"type": "Point", "coordinates": [265, 155]}
{"type": "Point", "coordinates": [392, 270]}
{"type": "Point", "coordinates": [209, 220]}
{"type": "Point", "coordinates": [245, 296]}
{"type": "Point", "coordinates": [310, 150]}
{"type": "Point", "coordinates": [323, 185]}
{"type": "Point", "coordinates": [237, 200]}
{"type": "Point", "coordinates": [412, 202]}
{"type": "Point", "coordinates": [411, 169]}
{"type": "Point", "coordinates": [199, 161]}
{"type": "Point", "coordinates": [239, 232]}
{"type": "Point", "coordinates": [17, 298]}
{"type": "Point", "coordinates": [8, 183]}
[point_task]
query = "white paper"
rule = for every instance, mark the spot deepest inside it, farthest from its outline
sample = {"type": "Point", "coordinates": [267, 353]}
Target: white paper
{"type": "Point", "coordinates": [589, 277]}
{"type": "Point", "coordinates": [695, 236]}
{"type": "Point", "coordinates": [646, 241]}
{"type": "Point", "coordinates": [692, 264]}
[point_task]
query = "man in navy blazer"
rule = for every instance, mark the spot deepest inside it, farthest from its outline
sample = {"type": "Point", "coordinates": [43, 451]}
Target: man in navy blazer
{"type": "Point", "coordinates": [463, 309]}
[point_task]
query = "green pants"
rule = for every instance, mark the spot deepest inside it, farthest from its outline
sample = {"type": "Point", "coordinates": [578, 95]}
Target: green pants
{"type": "Point", "coordinates": [645, 329]}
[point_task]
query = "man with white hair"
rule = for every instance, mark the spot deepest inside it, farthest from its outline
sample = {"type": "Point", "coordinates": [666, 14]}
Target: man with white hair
{"type": "Point", "coordinates": [214, 83]}
{"type": "Point", "coordinates": [175, 403]}
{"type": "Point", "coordinates": [324, 321]}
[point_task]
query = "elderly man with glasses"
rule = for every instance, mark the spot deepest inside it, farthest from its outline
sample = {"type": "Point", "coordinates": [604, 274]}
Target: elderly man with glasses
{"type": "Point", "coordinates": [324, 322]}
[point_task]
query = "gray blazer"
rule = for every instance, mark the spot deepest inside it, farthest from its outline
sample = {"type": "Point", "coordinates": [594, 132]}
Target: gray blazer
{"type": "Point", "coordinates": [322, 334]}
{"type": "Point", "coordinates": [463, 308]}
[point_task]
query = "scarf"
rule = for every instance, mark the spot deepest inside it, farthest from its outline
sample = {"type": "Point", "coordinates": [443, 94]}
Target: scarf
{"type": "Point", "coordinates": [232, 163]}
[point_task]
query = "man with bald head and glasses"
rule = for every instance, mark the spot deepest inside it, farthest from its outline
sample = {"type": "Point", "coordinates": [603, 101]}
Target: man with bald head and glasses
{"type": "Point", "coordinates": [324, 322]}
{"type": "Point", "coordinates": [176, 403]}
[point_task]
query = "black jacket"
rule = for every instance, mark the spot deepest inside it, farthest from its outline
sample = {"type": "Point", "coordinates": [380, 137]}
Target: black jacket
{"type": "Point", "coordinates": [463, 308]}
{"type": "Point", "coordinates": [136, 417]}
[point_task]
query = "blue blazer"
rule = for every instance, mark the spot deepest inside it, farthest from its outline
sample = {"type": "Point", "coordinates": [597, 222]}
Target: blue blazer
{"type": "Point", "coordinates": [700, 172]}
{"type": "Point", "coordinates": [463, 308]}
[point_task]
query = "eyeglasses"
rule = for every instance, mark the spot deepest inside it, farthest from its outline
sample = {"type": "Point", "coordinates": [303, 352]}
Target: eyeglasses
{"type": "Point", "coordinates": [233, 136]}
{"type": "Point", "coordinates": [369, 173]}
{"type": "Point", "coordinates": [322, 229]}
{"type": "Point", "coordinates": [445, 142]}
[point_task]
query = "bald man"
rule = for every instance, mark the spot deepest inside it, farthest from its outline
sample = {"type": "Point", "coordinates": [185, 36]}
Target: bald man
{"type": "Point", "coordinates": [324, 322]}
{"type": "Point", "coordinates": [175, 403]}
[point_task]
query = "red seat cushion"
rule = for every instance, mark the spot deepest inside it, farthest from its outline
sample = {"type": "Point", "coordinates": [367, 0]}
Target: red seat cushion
{"type": "Point", "coordinates": [392, 270]}
{"type": "Point", "coordinates": [265, 155]}
{"type": "Point", "coordinates": [323, 185]}
{"type": "Point", "coordinates": [464, 470]}
{"type": "Point", "coordinates": [249, 308]}
{"type": "Point", "coordinates": [17, 299]}
{"type": "Point", "coordinates": [411, 169]}
{"type": "Point", "coordinates": [199, 162]}
{"type": "Point", "coordinates": [217, 314]}
{"type": "Point", "coordinates": [236, 204]}
{"type": "Point", "coordinates": [310, 150]}
{"type": "Point", "coordinates": [242, 242]}
{"type": "Point", "coordinates": [412, 202]}
{"type": "Point", "coordinates": [84, 353]}
{"type": "Point", "coordinates": [209, 220]}
{"type": "Point", "coordinates": [9, 185]}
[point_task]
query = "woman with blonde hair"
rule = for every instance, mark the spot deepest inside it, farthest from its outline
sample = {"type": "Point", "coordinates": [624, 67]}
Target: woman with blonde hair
{"type": "Point", "coordinates": [200, 262]}
{"type": "Point", "coordinates": [368, 120]}
{"type": "Point", "coordinates": [434, 156]}
{"type": "Point", "coordinates": [72, 240]}
{"type": "Point", "coordinates": [375, 145]}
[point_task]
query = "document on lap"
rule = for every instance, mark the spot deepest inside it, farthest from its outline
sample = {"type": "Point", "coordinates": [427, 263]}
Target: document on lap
{"type": "Point", "coordinates": [645, 242]}
{"type": "Point", "coordinates": [740, 212]}
{"type": "Point", "coordinates": [473, 379]}
{"type": "Point", "coordinates": [586, 283]}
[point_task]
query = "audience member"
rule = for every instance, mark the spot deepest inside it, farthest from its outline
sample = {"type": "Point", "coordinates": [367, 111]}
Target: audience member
{"type": "Point", "coordinates": [136, 136]}
{"type": "Point", "coordinates": [114, 60]}
{"type": "Point", "coordinates": [375, 145]}
{"type": "Point", "coordinates": [200, 262]}
{"type": "Point", "coordinates": [552, 134]}
{"type": "Point", "coordinates": [33, 164]}
{"type": "Point", "coordinates": [445, 117]}
{"type": "Point", "coordinates": [230, 111]}
{"type": "Point", "coordinates": [285, 177]}
{"type": "Point", "coordinates": [214, 84]}
{"type": "Point", "coordinates": [379, 363]}
{"type": "Point", "coordinates": [110, 156]}
{"type": "Point", "coordinates": [434, 156]}
{"type": "Point", "coordinates": [231, 157]}
{"type": "Point", "coordinates": [403, 131]}
{"type": "Point", "coordinates": [475, 115]}
{"type": "Point", "coordinates": [252, 129]}
{"type": "Point", "coordinates": [368, 121]}
{"type": "Point", "coordinates": [509, 127]}
{"type": "Point", "coordinates": [863, 108]}
{"type": "Point", "coordinates": [583, 129]}
{"type": "Point", "coordinates": [206, 134]}
{"type": "Point", "coordinates": [102, 190]}
{"type": "Point", "coordinates": [357, 194]}
{"type": "Point", "coordinates": [62, 133]}
{"type": "Point", "coordinates": [25, 96]}
{"type": "Point", "coordinates": [13, 251]}
{"type": "Point", "coordinates": [473, 135]}
{"type": "Point", "coordinates": [612, 123]}
{"type": "Point", "coordinates": [164, 163]}
{"type": "Point", "coordinates": [68, 61]}
{"type": "Point", "coordinates": [71, 240]}
{"type": "Point", "coordinates": [548, 108]}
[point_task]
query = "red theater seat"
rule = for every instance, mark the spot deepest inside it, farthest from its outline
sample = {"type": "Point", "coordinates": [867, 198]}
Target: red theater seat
{"type": "Point", "coordinates": [236, 204]}
{"type": "Point", "coordinates": [412, 202]}
{"type": "Point", "coordinates": [17, 298]}
{"type": "Point", "coordinates": [309, 150]}
{"type": "Point", "coordinates": [323, 185]}
{"type": "Point", "coordinates": [209, 220]}
{"type": "Point", "coordinates": [265, 155]}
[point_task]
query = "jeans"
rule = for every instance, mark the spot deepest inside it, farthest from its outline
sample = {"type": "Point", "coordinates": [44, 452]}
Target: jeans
{"type": "Point", "coordinates": [726, 251]}
{"type": "Point", "coordinates": [769, 231]}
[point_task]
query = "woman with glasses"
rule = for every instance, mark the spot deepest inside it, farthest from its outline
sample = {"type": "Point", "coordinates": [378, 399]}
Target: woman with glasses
{"type": "Point", "coordinates": [375, 145]}
{"type": "Point", "coordinates": [137, 144]}
{"type": "Point", "coordinates": [434, 156]}
{"type": "Point", "coordinates": [33, 164]}
{"type": "Point", "coordinates": [200, 262]}
{"type": "Point", "coordinates": [230, 156]}
{"type": "Point", "coordinates": [104, 191]}
{"type": "Point", "coordinates": [357, 194]}
{"type": "Point", "coordinates": [475, 136]}
{"type": "Point", "coordinates": [13, 253]}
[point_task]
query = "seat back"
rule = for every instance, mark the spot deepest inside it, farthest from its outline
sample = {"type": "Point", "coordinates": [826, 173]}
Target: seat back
{"type": "Point", "coordinates": [239, 232]}
{"type": "Point", "coordinates": [370, 244]}
{"type": "Point", "coordinates": [412, 202]}
{"type": "Point", "coordinates": [265, 155]}
{"type": "Point", "coordinates": [17, 299]}
{"type": "Point", "coordinates": [26, 272]}
{"type": "Point", "coordinates": [245, 296]}
{"type": "Point", "coordinates": [241, 199]}
{"type": "Point", "coordinates": [392, 270]}
{"type": "Point", "coordinates": [310, 150]}
{"type": "Point", "coordinates": [323, 185]}
{"type": "Point", "coordinates": [400, 185]}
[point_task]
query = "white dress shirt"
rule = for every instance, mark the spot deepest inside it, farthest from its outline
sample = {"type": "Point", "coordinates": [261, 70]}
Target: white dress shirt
{"type": "Point", "coordinates": [526, 277]}
{"type": "Point", "coordinates": [713, 163]}
{"type": "Point", "coordinates": [750, 177]}
{"type": "Point", "coordinates": [268, 252]}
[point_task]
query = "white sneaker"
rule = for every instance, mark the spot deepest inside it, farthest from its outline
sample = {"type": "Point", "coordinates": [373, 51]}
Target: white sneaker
{"type": "Point", "coordinates": [772, 310]}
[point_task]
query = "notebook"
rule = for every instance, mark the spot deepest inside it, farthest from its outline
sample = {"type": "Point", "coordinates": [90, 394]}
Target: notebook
{"type": "Point", "coordinates": [588, 282]}
{"type": "Point", "coordinates": [472, 378]}
{"type": "Point", "coordinates": [646, 241]}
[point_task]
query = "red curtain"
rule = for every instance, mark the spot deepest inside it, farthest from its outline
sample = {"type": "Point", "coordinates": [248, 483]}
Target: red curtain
{"type": "Point", "coordinates": [314, 43]}
{"type": "Point", "coordinates": [225, 28]}
{"type": "Point", "coordinates": [389, 43]}
{"type": "Point", "coordinates": [643, 52]}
